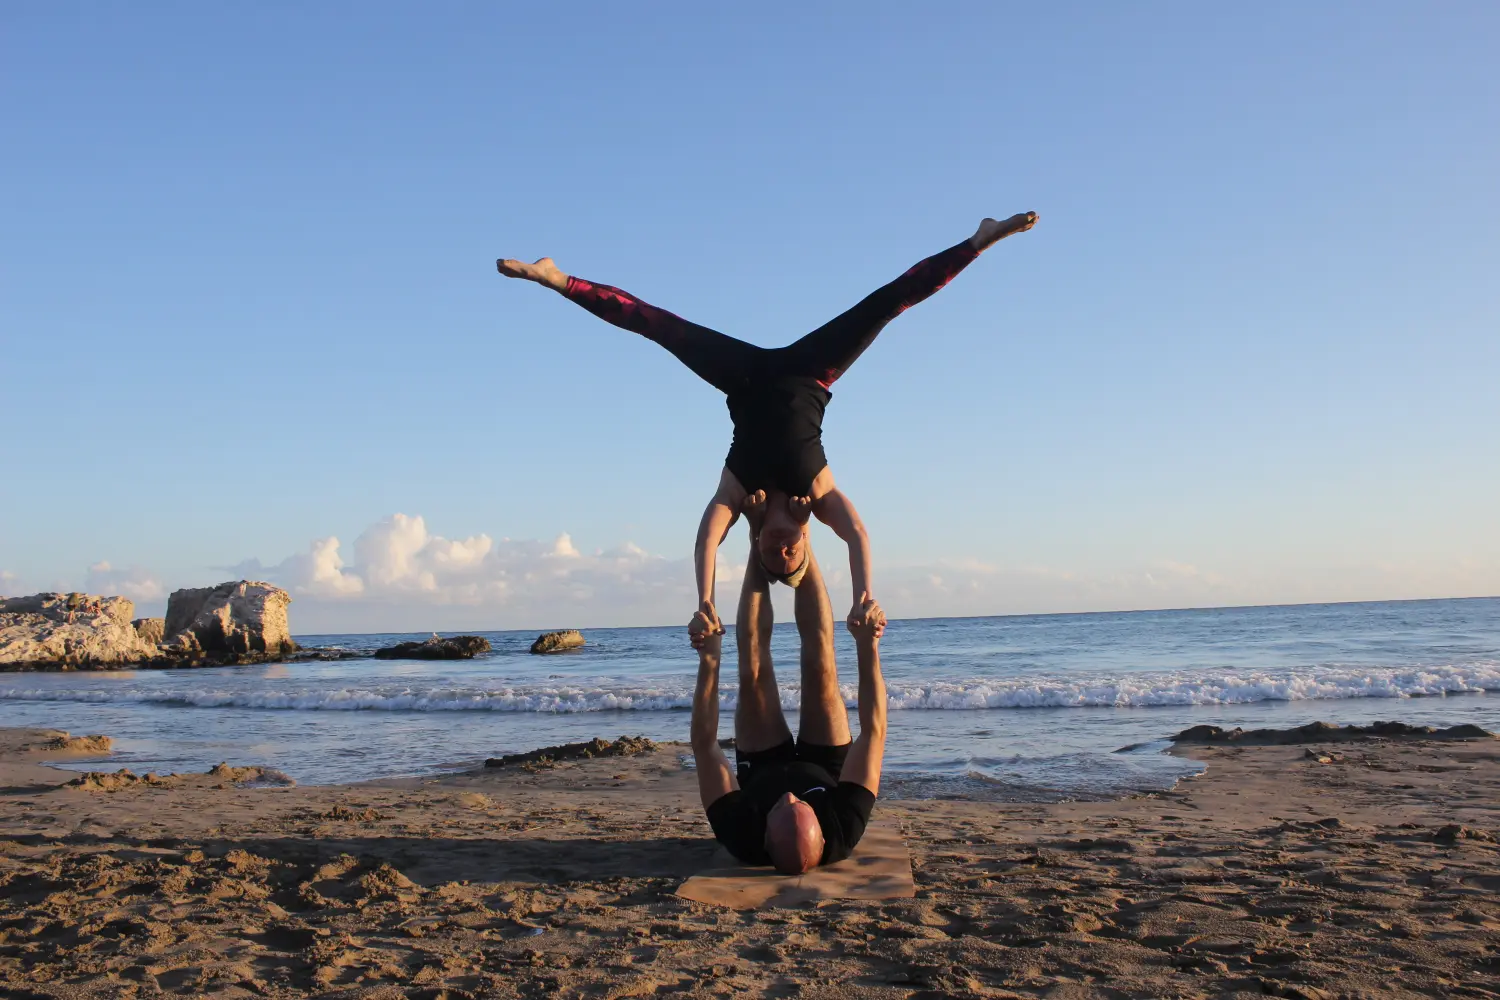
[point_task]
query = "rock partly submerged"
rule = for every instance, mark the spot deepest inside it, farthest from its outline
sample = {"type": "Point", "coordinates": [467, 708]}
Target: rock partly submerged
{"type": "Point", "coordinates": [457, 647]}
{"type": "Point", "coordinates": [556, 642]}
{"type": "Point", "coordinates": [625, 746]}
{"type": "Point", "coordinates": [1327, 732]}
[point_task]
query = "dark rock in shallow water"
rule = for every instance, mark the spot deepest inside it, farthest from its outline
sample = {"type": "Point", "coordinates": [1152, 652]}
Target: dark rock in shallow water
{"type": "Point", "coordinates": [306, 654]}
{"type": "Point", "coordinates": [458, 647]}
{"type": "Point", "coordinates": [1325, 732]}
{"type": "Point", "coordinates": [625, 746]}
{"type": "Point", "coordinates": [556, 642]}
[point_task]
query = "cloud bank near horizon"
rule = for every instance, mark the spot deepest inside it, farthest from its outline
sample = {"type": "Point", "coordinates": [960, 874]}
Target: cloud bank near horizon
{"type": "Point", "coordinates": [399, 576]}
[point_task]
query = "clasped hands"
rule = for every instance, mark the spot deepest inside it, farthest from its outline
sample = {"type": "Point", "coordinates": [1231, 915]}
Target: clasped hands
{"type": "Point", "coordinates": [866, 620]}
{"type": "Point", "coordinates": [704, 627]}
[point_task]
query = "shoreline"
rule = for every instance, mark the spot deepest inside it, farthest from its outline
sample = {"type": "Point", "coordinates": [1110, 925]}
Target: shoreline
{"type": "Point", "coordinates": [1366, 868]}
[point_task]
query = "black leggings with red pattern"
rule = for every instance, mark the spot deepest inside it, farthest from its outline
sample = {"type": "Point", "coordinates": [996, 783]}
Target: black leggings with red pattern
{"type": "Point", "coordinates": [824, 354]}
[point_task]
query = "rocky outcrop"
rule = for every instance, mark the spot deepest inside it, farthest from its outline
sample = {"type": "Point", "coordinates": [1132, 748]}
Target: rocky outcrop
{"type": "Point", "coordinates": [556, 642]}
{"type": "Point", "coordinates": [1327, 732]}
{"type": "Point", "coordinates": [152, 631]}
{"type": "Point", "coordinates": [625, 746]}
{"type": "Point", "coordinates": [69, 632]}
{"type": "Point", "coordinates": [238, 621]}
{"type": "Point", "coordinates": [458, 647]}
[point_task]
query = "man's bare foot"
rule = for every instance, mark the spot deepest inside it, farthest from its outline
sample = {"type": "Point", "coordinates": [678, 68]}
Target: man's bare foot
{"type": "Point", "coordinates": [543, 272]}
{"type": "Point", "coordinates": [800, 508]}
{"type": "Point", "coordinates": [754, 509]}
{"type": "Point", "coordinates": [991, 232]}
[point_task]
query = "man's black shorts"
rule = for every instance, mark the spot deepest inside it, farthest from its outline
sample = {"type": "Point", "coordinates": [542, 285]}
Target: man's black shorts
{"type": "Point", "coordinates": [830, 759]}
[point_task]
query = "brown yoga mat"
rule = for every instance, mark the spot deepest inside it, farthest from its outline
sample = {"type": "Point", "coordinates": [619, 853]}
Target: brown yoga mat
{"type": "Point", "coordinates": [880, 868]}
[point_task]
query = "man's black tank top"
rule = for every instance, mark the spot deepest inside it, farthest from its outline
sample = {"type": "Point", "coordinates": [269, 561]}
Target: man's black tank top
{"type": "Point", "coordinates": [778, 433]}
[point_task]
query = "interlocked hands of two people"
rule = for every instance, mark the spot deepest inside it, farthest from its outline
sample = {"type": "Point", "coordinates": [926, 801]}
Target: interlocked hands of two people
{"type": "Point", "coordinates": [866, 620]}
{"type": "Point", "coordinates": [704, 627]}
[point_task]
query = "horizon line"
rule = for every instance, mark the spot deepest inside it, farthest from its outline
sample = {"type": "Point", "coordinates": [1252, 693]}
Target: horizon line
{"type": "Point", "coordinates": [930, 618]}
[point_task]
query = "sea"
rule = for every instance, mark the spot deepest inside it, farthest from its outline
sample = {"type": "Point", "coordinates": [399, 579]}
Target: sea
{"type": "Point", "coordinates": [1010, 708]}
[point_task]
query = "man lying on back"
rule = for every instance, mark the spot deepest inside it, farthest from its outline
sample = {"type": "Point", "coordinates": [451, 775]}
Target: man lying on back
{"type": "Point", "coordinates": [790, 803]}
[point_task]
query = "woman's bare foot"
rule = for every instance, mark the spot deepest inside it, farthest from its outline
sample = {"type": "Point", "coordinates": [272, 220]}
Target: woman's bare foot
{"type": "Point", "coordinates": [543, 272]}
{"type": "Point", "coordinates": [991, 232]}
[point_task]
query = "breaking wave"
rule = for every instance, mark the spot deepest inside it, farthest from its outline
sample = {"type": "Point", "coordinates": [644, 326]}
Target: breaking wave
{"type": "Point", "coordinates": [1142, 690]}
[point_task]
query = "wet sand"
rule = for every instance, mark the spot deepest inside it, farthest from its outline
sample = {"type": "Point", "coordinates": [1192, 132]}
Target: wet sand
{"type": "Point", "coordinates": [1366, 869]}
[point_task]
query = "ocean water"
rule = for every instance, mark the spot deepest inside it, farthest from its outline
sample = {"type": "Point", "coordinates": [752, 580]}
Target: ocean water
{"type": "Point", "coordinates": [1016, 708]}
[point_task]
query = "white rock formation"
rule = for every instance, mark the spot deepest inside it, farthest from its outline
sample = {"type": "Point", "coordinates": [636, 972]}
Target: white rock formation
{"type": "Point", "coordinates": [241, 618]}
{"type": "Point", "coordinates": [68, 631]}
{"type": "Point", "coordinates": [152, 630]}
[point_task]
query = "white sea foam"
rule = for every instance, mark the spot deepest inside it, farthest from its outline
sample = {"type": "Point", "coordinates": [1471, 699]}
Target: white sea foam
{"type": "Point", "coordinates": [1180, 688]}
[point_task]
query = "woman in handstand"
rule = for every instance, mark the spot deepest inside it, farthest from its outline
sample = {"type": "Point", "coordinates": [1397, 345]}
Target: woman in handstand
{"type": "Point", "coordinates": [776, 470]}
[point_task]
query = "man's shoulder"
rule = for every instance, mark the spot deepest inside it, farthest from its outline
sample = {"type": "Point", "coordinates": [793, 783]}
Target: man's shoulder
{"type": "Point", "coordinates": [729, 802]}
{"type": "Point", "coordinates": [856, 795]}
{"type": "Point", "coordinates": [738, 825]}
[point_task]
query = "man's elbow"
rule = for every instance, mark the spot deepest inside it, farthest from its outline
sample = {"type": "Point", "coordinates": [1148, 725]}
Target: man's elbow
{"type": "Point", "coordinates": [858, 537]}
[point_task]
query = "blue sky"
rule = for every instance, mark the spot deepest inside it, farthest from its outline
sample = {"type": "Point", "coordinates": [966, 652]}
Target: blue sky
{"type": "Point", "coordinates": [1249, 355]}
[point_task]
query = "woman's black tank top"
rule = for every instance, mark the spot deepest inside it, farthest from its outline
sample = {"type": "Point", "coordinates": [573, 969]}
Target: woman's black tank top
{"type": "Point", "coordinates": [778, 434]}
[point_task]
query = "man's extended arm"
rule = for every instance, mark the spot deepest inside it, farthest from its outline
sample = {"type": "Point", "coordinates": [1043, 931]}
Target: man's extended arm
{"type": "Point", "coordinates": [715, 775]}
{"type": "Point", "coordinates": [862, 766]}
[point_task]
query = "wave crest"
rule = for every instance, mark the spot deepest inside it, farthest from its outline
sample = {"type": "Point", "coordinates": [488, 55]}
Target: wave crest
{"type": "Point", "coordinates": [1188, 687]}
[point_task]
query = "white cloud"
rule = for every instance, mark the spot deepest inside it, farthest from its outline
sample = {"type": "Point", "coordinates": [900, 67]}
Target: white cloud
{"type": "Point", "coordinates": [10, 583]}
{"type": "Point", "coordinates": [402, 576]}
{"type": "Point", "coordinates": [398, 575]}
{"type": "Point", "coordinates": [132, 582]}
{"type": "Point", "coordinates": [320, 571]}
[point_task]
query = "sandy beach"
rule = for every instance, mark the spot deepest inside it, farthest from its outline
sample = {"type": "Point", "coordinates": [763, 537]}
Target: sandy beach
{"type": "Point", "coordinates": [1359, 869]}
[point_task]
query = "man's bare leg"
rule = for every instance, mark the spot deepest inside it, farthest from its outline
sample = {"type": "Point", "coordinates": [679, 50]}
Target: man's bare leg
{"type": "Point", "coordinates": [543, 272]}
{"type": "Point", "coordinates": [825, 720]}
{"type": "Point", "coordinates": [991, 231]}
{"type": "Point", "coordinates": [759, 722]}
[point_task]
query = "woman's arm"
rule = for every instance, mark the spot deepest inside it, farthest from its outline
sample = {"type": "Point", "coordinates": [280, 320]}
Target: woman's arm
{"type": "Point", "coordinates": [718, 517]}
{"type": "Point", "coordinates": [835, 510]}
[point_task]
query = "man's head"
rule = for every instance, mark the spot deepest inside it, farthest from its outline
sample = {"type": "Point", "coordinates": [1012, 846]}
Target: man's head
{"type": "Point", "coordinates": [793, 838]}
